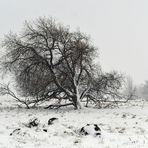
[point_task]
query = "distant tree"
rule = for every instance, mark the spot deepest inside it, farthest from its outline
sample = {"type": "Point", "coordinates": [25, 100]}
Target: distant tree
{"type": "Point", "coordinates": [48, 61]}
{"type": "Point", "coordinates": [130, 89]}
{"type": "Point", "coordinates": [143, 90]}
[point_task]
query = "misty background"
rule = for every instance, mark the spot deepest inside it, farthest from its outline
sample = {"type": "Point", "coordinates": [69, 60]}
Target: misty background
{"type": "Point", "coordinates": [118, 28]}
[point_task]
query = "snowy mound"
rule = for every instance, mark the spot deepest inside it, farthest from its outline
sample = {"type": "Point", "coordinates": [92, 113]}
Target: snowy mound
{"type": "Point", "coordinates": [91, 129]}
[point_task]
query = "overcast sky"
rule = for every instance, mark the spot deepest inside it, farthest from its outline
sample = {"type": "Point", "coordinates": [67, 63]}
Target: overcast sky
{"type": "Point", "coordinates": [119, 28]}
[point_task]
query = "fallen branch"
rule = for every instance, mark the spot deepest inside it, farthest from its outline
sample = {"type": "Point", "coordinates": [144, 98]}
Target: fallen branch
{"type": "Point", "coordinates": [5, 90]}
{"type": "Point", "coordinates": [56, 106]}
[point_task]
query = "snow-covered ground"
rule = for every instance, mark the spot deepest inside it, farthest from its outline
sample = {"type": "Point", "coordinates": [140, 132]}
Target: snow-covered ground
{"type": "Point", "coordinates": [124, 127]}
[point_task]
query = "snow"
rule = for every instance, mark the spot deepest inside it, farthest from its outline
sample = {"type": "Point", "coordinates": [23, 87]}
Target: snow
{"type": "Point", "coordinates": [90, 129]}
{"type": "Point", "coordinates": [124, 127]}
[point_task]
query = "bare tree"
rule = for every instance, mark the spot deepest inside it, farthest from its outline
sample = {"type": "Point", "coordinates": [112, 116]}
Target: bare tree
{"type": "Point", "coordinates": [106, 91]}
{"type": "Point", "coordinates": [49, 61]}
{"type": "Point", "coordinates": [143, 90]}
{"type": "Point", "coordinates": [130, 89]}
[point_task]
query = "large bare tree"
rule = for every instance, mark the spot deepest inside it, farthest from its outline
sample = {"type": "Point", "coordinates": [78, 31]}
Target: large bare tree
{"type": "Point", "coordinates": [51, 62]}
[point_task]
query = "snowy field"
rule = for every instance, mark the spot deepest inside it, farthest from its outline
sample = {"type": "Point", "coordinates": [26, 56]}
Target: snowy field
{"type": "Point", "coordinates": [124, 127]}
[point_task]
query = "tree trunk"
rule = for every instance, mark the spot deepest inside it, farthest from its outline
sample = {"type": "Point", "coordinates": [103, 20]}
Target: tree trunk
{"type": "Point", "coordinates": [76, 100]}
{"type": "Point", "coordinates": [79, 103]}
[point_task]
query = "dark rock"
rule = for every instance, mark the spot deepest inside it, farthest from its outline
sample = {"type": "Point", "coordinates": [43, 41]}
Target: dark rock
{"type": "Point", "coordinates": [52, 120]}
{"type": "Point", "coordinates": [90, 129]}
{"type": "Point", "coordinates": [33, 122]}
{"type": "Point", "coordinates": [45, 130]}
{"type": "Point", "coordinates": [14, 131]}
{"type": "Point", "coordinates": [97, 128]}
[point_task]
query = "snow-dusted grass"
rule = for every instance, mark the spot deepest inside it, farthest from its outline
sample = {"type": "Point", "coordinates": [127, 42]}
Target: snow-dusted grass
{"type": "Point", "coordinates": [125, 127]}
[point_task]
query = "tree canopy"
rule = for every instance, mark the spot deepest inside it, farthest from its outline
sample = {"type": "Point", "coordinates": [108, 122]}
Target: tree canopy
{"type": "Point", "coordinates": [49, 61]}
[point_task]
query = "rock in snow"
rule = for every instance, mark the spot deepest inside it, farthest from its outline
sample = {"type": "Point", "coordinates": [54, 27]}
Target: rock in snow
{"type": "Point", "coordinates": [52, 120]}
{"type": "Point", "coordinates": [15, 131]}
{"type": "Point", "coordinates": [33, 122]}
{"type": "Point", "coordinates": [90, 129]}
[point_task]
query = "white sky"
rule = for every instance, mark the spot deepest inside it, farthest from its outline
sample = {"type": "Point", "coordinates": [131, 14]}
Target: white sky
{"type": "Point", "coordinates": [119, 28]}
